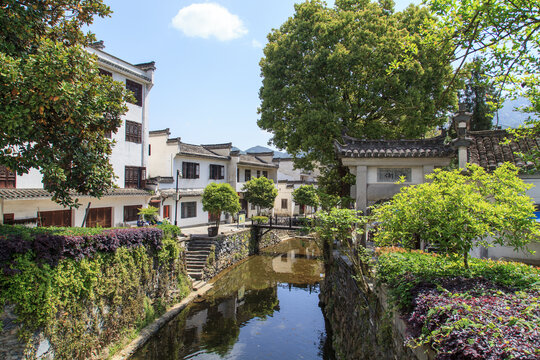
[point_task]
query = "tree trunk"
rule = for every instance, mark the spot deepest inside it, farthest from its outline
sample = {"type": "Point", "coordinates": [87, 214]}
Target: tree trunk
{"type": "Point", "coordinates": [465, 259]}
{"type": "Point", "coordinates": [218, 218]}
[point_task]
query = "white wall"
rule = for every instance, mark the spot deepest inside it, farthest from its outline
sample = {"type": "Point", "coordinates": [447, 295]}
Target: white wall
{"type": "Point", "coordinates": [535, 191]}
{"type": "Point", "coordinates": [29, 208]}
{"type": "Point", "coordinates": [204, 173]}
{"type": "Point", "coordinates": [200, 219]}
{"type": "Point", "coordinates": [162, 155]}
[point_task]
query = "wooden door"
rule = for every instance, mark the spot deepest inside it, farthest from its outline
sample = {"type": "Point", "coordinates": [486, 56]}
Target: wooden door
{"type": "Point", "coordinates": [55, 218]}
{"type": "Point", "coordinates": [99, 217]}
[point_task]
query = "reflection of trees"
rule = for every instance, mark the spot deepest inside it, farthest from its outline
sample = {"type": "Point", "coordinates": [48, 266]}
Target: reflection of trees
{"type": "Point", "coordinates": [222, 327]}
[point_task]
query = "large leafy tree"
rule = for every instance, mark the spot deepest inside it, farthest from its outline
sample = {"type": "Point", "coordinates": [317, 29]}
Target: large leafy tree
{"type": "Point", "coordinates": [327, 71]}
{"type": "Point", "coordinates": [457, 212]}
{"type": "Point", "coordinates": [55, 108]}
{"type": "Point", "coordinates": [260, 192]}
{"type": "Point", "coordinates": [220, 198]}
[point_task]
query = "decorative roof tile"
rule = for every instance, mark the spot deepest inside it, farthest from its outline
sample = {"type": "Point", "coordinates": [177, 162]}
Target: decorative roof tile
{"type": "Point", "coordinates": [487, 149]}
{"type": "Point", "coordinates": [15, 194]}
{"type": "Point", "coordinates": [182, 192]}
{"type": "Point", "coordinates": [200, 150]}
{"type": "Point", "coordinates": [424, 148]}
{"type": "Point", "coordinates": [248, 159]}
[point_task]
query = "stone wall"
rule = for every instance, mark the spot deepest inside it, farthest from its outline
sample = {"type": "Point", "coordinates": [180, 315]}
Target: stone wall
{"type": "Point", "coordinates": [237, 246]}
{"type": "Point", "coordinates": [363, 326]}
{"type": "Point", "coordinates": [85, 331]}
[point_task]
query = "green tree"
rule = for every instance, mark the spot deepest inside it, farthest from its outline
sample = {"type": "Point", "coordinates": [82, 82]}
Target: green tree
{"type": "Point", "coordinates": [479, 95]}
{"type": "Point", "coordinates": [220, 198]}
{"type": "Point", "coordinates": [326, 71]}
{"type": "Point", "coordinates": [457, 212]}
{"type": "Point", "coordinates": [260, 192]}
{"type": "Point", "coordinates": [55, 108]}
{"type": "Point", "coordinates": [306, 195]}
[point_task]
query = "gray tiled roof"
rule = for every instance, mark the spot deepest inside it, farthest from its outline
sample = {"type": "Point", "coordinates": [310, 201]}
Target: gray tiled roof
{"type": "Point", "coordinates": [418, 148]}
{"type": "Point", "coordinates": [488, 151]}
{"type": "Point", "coordinates": [183, 192]}
{"type": "Point", "coordinates": [247, 159]}
{"type": "Point", "coordinates": [199, 150]}
{"type": "Point", "coordinates": [14, 194]}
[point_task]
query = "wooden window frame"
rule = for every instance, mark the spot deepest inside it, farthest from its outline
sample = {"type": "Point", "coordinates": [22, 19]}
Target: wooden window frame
{"type": "Point", "coordinates": [284, 204]}
{"type": "Point", "coordinates": [217, 172]}
{"type": "Point", "coordinates": [134, 177]}
{"type": "Point", "coordinates": [265, 174]}
{"type": "Point", "coordinates": [188, 209]}
{"type": "Point", "coordinates": [8, 178]}
{"type": "Point", "coordinates": [133, 132]}
{"type": "Point", "coordinates": [137, 90]}
{"type": "Point", "coordinates": [65, 217]}
{"type": "Point", "coordinates": [190, 170]}
{"type": "Point", "coordinates": [131, 212]}
{"type": "Point", "coordinates": [166, 211]}
{"type": "Point", "coordinates": [247, 175]}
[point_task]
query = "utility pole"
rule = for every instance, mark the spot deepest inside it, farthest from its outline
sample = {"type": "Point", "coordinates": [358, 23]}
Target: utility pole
{"type": "Point", "coordinates": [176, 206]}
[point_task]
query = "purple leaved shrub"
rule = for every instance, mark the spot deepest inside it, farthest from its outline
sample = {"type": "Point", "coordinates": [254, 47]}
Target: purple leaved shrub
{"type": "Point", "coordinates": [50, 248]}
{"type": "Point", "coordinates": [483, 323]}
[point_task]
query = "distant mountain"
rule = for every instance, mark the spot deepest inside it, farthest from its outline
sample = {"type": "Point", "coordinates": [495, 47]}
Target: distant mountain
{"type": "Point", "coordinates": [259, 149]}
{"type": "Point", "coordinates": [508, 116]}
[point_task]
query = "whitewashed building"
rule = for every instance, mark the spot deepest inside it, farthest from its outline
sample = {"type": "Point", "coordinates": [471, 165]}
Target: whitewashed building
{"type": "Point", "coordinates": [23, 199]}
{"type": "Point", "coordinates": [290, 179]}
{"type": "Point", "coordinates": [191, 168]}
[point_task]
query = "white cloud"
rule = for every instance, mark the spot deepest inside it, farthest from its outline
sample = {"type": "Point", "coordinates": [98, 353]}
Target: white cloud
{"type": "Point", "coordinates": [256, 44]}
{"type": "Point", "coordinates": [207, 20]}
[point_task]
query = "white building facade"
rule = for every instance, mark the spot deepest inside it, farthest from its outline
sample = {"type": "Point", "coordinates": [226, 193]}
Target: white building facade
{"type": "Point", "coordinates": [190, 168]}
{"type": "Point", "coordinates": [23, 199]}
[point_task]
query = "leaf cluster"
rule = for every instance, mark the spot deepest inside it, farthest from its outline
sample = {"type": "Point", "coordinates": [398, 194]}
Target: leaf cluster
{"type": "Point", "coordinates": [260, 192]}
{"type": "Point", "coordinates": [455, 212]}
{"type": "Point", "coordinates": [218, 198]}
{"type": "Point", "coordinates": [306, 195]}
{"type": "Point", "coordinates": [55, 106]}
{"type": "Point", "coordinates": [326, 71]}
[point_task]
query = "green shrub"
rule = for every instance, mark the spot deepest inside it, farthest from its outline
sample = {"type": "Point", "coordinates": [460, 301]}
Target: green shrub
{"type": "Point", "coordinates": [170, 231]}
{"type": "Point", "coordinates": [260, 219]}
{"type": "Point", "coordinates": [404, 270]}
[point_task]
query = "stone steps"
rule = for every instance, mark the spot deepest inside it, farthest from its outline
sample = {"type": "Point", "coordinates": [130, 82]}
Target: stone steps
{"type": "Point", "coordinates": [196, 258]}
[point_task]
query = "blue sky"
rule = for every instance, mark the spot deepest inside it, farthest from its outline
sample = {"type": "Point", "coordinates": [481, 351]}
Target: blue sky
{"type": "Point", "coordinates": [207, 80]}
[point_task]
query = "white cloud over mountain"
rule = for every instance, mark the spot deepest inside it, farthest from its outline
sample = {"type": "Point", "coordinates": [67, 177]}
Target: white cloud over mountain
{"type": "Point", "coordinates": [209, 20]}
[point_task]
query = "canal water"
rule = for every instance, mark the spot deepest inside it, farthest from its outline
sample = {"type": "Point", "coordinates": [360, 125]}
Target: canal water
{"type": "Point", "coordinates": [264, 308]}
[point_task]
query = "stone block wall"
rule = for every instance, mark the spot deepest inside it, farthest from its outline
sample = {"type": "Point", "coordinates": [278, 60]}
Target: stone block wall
{"type": "Point", "coordinates": [234, 247]}
{"type": "Point", "coordinates": [363, 325]}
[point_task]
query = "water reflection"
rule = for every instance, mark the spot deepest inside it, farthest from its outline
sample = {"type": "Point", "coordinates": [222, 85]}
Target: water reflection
{"type": "Point", "coordinates": [264, 308]}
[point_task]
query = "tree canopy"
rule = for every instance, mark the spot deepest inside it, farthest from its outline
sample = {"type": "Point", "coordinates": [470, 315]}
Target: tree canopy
{"type": "Point", "coordinates": [260, 192]}
{"type": "Point", "coordinates": [479, 95]}
{"type": "Point", "coordinates": [327, 71]}
{"type": "Point", "coordinates": [219, 198]}
{"type": "Point", "coordinates": [54, 105]}
{"type": "Point", "coordinates": [456, 212]}
{"type": "Point", "coordinates": [306, 195]}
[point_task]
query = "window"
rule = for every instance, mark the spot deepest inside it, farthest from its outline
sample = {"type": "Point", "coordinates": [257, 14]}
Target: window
{"type": "Point", "coordinates": [135, 177]}
{"type": "Point", "coordinates": [99, 217]}
{"type": "Point", "coordinates": [189, 209]}
{"type": "Point", "coordinates": [136, 89]}
{"type": "Point", "coordinates": [133, 132]}
{"type": "Point", "coordinates": [237, 174]}
{"type": "Point", "coordinates": [149, 149]}
{"type": "Point", "coordinates": [8, 179]}
{"type": "Point", "coordinates": [258, 173]}
{"type": "Point", "coordinates": [105, 73]}
{"type": "Point", "coordinates": [131, 212]}
{"type": "Point", "coordinates": [217, 172]}
{"type": "Point", "coordinates": [9, 219]}
{"type": "Point", "coordinates": [55, 218]}
{"type": "Point", "coordinates": [247, 175]}
{"type": "Point", "coordinates": [166, 211]}
{"type": "Point", "coordinates": [265, 174]}
{"type": "Point", "coordinates": [190, 170]}
{"type": "Point", "coordinates": [284, 204]}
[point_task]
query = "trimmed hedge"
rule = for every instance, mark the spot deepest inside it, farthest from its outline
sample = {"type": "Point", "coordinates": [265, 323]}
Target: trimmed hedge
{"type": "Point", "coordinates": [50, 247]}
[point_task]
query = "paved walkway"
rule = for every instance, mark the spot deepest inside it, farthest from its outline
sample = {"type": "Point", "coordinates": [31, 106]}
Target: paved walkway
{"type": "Point", "coordinates": [203, 230]}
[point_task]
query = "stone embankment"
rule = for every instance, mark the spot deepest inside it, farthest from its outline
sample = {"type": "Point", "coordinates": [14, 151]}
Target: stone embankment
{"type": "Point", "coordinates": [364, 326]}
